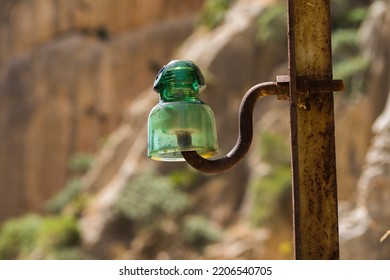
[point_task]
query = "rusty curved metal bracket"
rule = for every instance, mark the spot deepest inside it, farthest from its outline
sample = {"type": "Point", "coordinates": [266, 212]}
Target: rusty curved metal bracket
{"type": "Point", "coordinates": [245, 121]}
{"type": "Point", "coordinates": [245, 131]}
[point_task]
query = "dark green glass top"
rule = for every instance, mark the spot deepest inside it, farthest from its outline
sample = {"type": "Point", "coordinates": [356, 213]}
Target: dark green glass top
{"type": "Point", "coordinates": [179, 80]}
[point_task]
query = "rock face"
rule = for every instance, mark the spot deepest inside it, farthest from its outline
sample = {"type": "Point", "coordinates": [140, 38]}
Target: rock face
{"type": "Point", "coordinates": [235, 48]}
{"type": "Point", "coordinates": [221, 195]}
{"type": "Point", "coordinates": [364, 229]}
{"type": "Point", "coordinates": [364, 222]}
{"type": "Point", "coordinates": [29, 24]}
{"type": "Point", "coordinates": [352, 145]}
{"type": "Point", "coordinates": [74, 72]}
{"type": "Point", "coordinates": [68, 69]}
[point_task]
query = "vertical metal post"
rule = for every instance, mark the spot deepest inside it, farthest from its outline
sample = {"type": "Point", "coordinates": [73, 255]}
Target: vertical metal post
{"type": "Point", "coordinates": [312, 132]}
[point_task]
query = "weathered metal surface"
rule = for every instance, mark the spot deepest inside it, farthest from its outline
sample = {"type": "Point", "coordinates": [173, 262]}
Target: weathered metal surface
{"type": "Point", "coordinates": [312, 132]}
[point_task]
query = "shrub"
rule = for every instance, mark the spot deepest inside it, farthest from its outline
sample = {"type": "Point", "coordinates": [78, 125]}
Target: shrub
{"type": "Point", "coordinates": [266, 193]}
{"type": "Point", "coordinates": [213, 13]}
{"type": "Point", "coordinates": [199, 231]}
{"type": "Point", "coordinates": [58, 232]}
{"type": "Point", "coordinates": [18, 236]}
{"type": "Point", "coordinates": [148, 197]}
{"type": "Point", "coordinates": [72, 253]}
{"type": "Point", "coordinates": [275, 150]}
{"type": "Point", "coordinates": [272, 24]}
{"type": "Point", "coordinates": [349, 64]}
{"type": "Point", "coordinates": [81, 162]}
{"type": "Point", "coordinates": [71, 191]}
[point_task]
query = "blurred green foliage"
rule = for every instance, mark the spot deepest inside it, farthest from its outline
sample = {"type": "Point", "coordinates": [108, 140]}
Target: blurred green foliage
{"type": "Point", "coordinates": [70, 193]}
{"type": "Point", "coordinates": [81, 162]}
{"type": "Point", "coordinates": [50, 237]}
{"type": "Point", "coordinates": [200, 231]}
{"type": "Point", "coordinates": [36, 235]}
{"type": "Point", "coordinates": [272, 24]}
{"type": "Point", "coordinates": [148, 197]}
{"type": "Point", "coordinates": [184, 179]}
{"type": "Point", "coordinates": [348, 13]}
{"type": "Point", "coordinates": [347, 16]}
{"type": "Point", "coordinates": [348, 62]}
{"type": "Point", "coordinates": [267, 191]}
{"type": "Point", "coordinates": [71, 197]}
{"type": "Point", "coordinates": [18, 237]}
{"type": "Point", "coordinates": [275, 150]}
{"type": "Point", "coordinates": [151, 199]}
{"type": "Point", "coordinates": [69, 253]}
{"type": "Point", "coordinates": [213, 13]}
{"type": "Point", "coordinates": [57, 232]}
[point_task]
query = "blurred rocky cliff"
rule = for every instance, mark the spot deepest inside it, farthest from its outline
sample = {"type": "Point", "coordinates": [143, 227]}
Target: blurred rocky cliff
{"type": "Point", "coordinates": [68, 70]}
{"type": "Point", "coordinates": [364, 223]}
{"type": "Point", "coordinates": [76, 76]}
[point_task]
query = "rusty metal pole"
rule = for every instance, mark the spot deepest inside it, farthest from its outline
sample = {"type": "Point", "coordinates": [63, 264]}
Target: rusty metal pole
{"type": "Point", "coordinates": [312, 132]}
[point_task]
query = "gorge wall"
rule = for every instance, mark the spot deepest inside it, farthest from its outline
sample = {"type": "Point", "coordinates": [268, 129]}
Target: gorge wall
{"type": "Point", "coordinates": [68, 69]}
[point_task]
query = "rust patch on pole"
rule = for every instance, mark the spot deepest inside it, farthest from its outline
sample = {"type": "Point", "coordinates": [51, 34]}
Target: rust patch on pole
{"type": "Point", "coordinates": [312, 132]}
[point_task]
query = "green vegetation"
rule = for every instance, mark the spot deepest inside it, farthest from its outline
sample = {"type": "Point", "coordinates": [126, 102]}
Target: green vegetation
{"type": "Point", "coordinates": [348, 13]}
{"type": "Point", "coordinates": [57, 232]}
{"type": "Point", "coordinates": [213, 13]}
{"type": "Point", "coordinates": [67, 196]}
{"type": "Point", "coordinates": [38, 236]}
{"type": "Point", "coordinates": [348, 63]}
{"type": "Point", "coordinates": [272, 24]}
{"type": "Point", "coordinates": [71, 197]}
{"type": "Point", "coordinates": [71, 253]}
{"type": "Point", "coordinates": [149, 197]}
{"type": "Point", "coordinates": [199, 231]}
{"type": "Point", "coordinates": [149, 200]}
{"type": "Point", "coordinates": [18, 237]}
{"type": "Point", "coordinates": [184, 179]}
{"type": "Point", "coordinates": [81, 162]}
{"type": "Point", "coordinates": [267, 191]}
{"type": "Point", "coordinates": [50, 237]}
{"type": "Point", "coordinates": [275, 150]}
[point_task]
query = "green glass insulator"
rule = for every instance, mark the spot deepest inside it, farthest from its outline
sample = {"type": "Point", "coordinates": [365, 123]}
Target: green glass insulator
{"type": "Point", "coordinates": [180, 121]}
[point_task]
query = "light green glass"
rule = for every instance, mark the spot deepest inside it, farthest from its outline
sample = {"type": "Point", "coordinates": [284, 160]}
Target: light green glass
{"type": "Point", "coordinates": [180, 121]}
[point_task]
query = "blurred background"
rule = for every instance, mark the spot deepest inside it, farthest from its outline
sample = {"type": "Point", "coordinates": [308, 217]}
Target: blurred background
{"type": "Point", "coordinates": [75, 94]}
